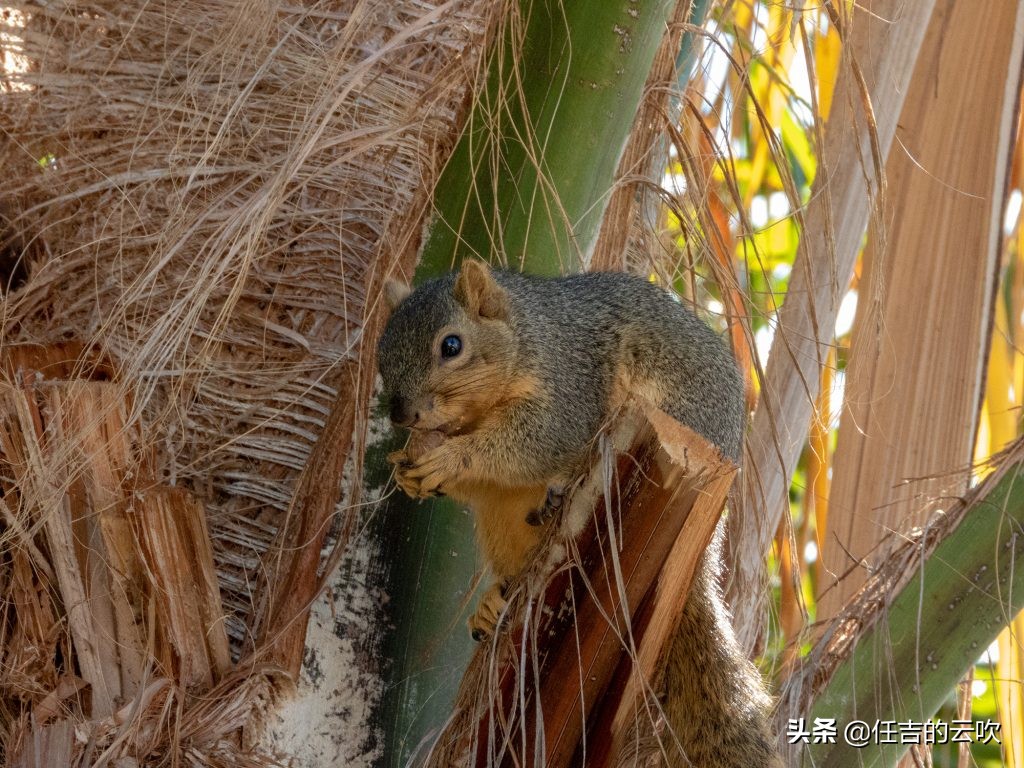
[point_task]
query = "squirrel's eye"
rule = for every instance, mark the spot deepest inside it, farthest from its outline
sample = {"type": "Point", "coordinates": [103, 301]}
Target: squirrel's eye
{"type": "Point", "coordinates": [451, 346]}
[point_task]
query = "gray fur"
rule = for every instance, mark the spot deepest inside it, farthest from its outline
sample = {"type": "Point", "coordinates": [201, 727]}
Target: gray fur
{"type": "Point", "coordinates": [572, 332]}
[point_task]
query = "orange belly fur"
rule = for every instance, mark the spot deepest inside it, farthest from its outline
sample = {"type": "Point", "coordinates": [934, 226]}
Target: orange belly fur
{"type": "Point", "coordinates": [503, 535]}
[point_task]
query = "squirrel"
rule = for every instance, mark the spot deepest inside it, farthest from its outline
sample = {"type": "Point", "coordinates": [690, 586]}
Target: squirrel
{"type": "Point", "coordinates": [506, 378]}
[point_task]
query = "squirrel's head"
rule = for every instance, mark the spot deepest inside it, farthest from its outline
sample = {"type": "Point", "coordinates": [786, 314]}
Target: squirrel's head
{"type": "Point", "coordinates": [447, 353]}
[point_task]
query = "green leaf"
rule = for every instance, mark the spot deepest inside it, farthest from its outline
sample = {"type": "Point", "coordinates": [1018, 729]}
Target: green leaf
{"type": "Point", "coordinates": [904, 667]}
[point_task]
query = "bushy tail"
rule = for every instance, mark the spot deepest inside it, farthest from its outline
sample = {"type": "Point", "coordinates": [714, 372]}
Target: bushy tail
{"type": "Point", "coordinates": [716, 708]}
{"type": "Point", "coordinates": [715, 702]}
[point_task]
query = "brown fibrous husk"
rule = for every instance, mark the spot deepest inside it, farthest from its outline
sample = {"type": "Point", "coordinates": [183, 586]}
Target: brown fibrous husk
{"type": "Point", "coordinates": [200, 202]}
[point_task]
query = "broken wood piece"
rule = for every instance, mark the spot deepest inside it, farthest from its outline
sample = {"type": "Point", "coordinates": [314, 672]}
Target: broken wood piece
{"type": "Point", "coordinates": [25, 363]}
{"type": "Point", "coordinates": [118, 545]}
{"type": "Point", "coordinates": [31, 635]}
{"type": "Point", "coordinates": [169, 525]}
{"type": "Point", "coordinates": [47, 745]}
{"type": "Point", "coordinates": [66, 449]}
{"type": "Point", "coordinates": [52, 704]}
{"type": "Point", "coordinates": [589, 632]}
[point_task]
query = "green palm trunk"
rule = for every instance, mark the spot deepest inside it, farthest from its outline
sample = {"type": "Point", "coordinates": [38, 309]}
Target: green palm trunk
{"type": "Point", "coordinates": [526, 185]}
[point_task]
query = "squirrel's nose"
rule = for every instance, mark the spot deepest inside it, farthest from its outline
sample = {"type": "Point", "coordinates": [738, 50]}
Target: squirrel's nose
{"type": "Point", "coordinates": [399, 411]}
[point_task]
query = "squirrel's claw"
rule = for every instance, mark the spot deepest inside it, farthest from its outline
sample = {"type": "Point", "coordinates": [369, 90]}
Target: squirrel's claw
{"type": "Point", "coordinates": [426, 476]}
{"type": "Point", "coordinates": [485, 621]}
{"type": "Point", "coordinates": [400, 458]}
{"type": "Point", "coordinates": [552, 506]}
{"type": "Point", "coordinates": [403, 464]}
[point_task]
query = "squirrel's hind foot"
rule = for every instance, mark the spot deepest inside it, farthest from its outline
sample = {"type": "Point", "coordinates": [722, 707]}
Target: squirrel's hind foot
{"type": "Point", "coordinates": [489, 613]}
{"type": "Point", "coordinates": [552, 506]}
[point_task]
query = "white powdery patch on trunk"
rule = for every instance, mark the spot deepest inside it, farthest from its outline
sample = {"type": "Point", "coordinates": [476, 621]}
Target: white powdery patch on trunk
{"type": "Point", "coordinates": [327, 723]}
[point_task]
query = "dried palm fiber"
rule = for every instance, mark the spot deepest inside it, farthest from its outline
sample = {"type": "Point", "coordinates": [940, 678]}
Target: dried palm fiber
{"type": "Point", "coordinates": [878, 61]}
{"type": "Point", "coordinates": [218, 183]}
{"type": "Point", "coordinates": [205, 194]}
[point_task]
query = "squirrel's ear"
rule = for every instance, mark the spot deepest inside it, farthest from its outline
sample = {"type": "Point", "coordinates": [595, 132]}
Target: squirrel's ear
{"type": "Point", "coordinates": [394, 292]}
{"type": "Point", "coordinates": [479, 293]}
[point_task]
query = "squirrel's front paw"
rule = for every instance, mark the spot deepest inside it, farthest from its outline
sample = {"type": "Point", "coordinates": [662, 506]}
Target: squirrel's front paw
{"type": "Point", "coordinates": [484, 622]}
{"type": "Point", "coordinates": [428, 474]}
{"type": "Point", "coordinates": [403, 463]}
